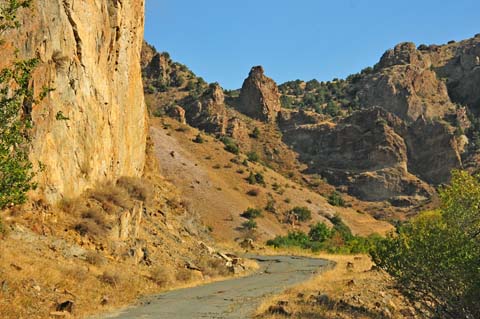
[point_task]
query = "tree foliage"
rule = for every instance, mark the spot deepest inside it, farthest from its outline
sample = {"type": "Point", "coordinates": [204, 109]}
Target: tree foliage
{"type": "Point", "coordinates": [15, 94]}
{"type": "Point", "coordinates": [435, 257]}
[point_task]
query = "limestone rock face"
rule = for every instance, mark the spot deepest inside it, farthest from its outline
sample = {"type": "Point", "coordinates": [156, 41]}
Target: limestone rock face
{"type": "Point", "coordinates": [259, 97]}
{"type": "Point", "coordinates": [434, 150]}
{"type": "Point", "coordinates": [404, 83]}
{"type": "Point", "coordinates": [89, 52]}
{"type": "Point", "coordinates": [178, 113]}
{"type": "Point", "coordinates": [460, 64]}
{"type": "Point", "coordinates": [374, 153]}
{"type": "Point", "coordinates": [209, 113]}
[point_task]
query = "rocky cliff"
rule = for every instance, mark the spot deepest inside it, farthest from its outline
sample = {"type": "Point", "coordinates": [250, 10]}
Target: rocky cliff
{"type": "Point", "coordinates": [93, 125]}
{"type": "Point", "coordinates": [405, 84]}
{"type": "Point", "coordinates": [259, 97]}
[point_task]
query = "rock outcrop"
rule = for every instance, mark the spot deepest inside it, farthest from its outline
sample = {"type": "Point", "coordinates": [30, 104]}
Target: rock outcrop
{"type": "Point", "coordinates": [259, 97]}
{"type": "Point", "coordinates": [89, 53]}
{"type": "Point", "coordinates": [376, 156]}
{"type": "Point", "coordinates": [404, 83]}
{"type": "Point", "coordinates": [433, 150]}
{"type": "Point", "coordinates": [208, 113]}
{"type": "Point", "coordinates": [459, 64]}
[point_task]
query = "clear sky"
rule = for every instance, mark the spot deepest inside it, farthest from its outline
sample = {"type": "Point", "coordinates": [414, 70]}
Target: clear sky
{"type": "Point", "coordinates": [221, 40]}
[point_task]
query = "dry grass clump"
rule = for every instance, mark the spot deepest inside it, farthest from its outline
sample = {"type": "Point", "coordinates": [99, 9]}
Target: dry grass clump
{"type": "Point", "coordinates": [75, 273]}
{"type": "Point", "coordinates": [95, 258]}
{"type": "Point", "coordinates": [213, 267]}
{"type": "Point", "coordinates": [137, 188]}
{"type": "Point", "coordinates": [111, 197]}
{"type": "Point", "coordinates": [111, 277]}
{"type": "Point", "coordinates": [161, 276]}
{"type": "Point", "coordinates": [184, 275]}
{"type": "Point", "coordinates": [92, 221]}
{"type": "Point", "coordinates": [89, 227]}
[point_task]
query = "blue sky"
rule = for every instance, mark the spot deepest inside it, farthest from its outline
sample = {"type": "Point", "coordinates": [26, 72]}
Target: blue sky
{"type": "Point", "coordinates": [221, 40]}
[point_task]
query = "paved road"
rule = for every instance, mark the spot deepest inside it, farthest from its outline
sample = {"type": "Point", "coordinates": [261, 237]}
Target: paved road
{"type": "Point", "coordinates": [235, 298]}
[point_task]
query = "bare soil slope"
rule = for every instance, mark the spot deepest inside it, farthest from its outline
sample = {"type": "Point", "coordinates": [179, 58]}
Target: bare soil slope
{"type": "Point", "coordinates": [214, 184]}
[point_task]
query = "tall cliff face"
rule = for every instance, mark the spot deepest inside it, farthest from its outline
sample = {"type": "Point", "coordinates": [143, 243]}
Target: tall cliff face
{"type": "Point", "coordinates": [93, 126]}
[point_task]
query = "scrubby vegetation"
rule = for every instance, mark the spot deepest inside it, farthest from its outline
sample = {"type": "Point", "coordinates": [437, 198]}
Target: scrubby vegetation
{"type": "Point", "coordinates": [335, 199]}
{"type": "Point", "coordinates": [230, 145]}
{"type": "Point", "coordinates": [435, 257]}
{"type": "Point", "coordinates": [338, 239]}
{"type": "Point", "coordinates": [251, 213]}
{"type": "Point", "coordinates": [256, 178]}
{"type": "Point", "coordinates": [16, 100]}
{"type": "Point", "coordinates": [302, 213]}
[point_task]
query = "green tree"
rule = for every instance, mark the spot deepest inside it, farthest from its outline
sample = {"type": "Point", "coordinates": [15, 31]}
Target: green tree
{"type": "Point", "coordinates": [15, 93]}
{"type": "Point", "coordinates": [319, 232]}
{"type": "Point", "coordinates": [435, 257]}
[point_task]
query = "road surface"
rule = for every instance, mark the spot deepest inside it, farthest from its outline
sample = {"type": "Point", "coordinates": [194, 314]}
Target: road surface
{"type": "Point", "coordinates": [232, 299]}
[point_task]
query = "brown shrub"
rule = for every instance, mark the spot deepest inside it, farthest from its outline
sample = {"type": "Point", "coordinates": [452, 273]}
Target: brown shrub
{"type": "Point", "coordinates": [95, 214]}
{"type": "Point", "coordinates": [213, 267]}
{"type": "Point", "coordinates": [161, 276]}
{"type": "Point", "coordinates": [89, 227]}
{"type": "Point", "coordinates": [76, 273]}
{"type": "Point", "coordinates": [111, 197]}
{"type": "Point", "coordinates": [70, 205]}
{"type": "Point", "coordinates": [183, 275]}
{"type": "Point", "coordinates": [137, 188]}
{"type": "Point", "coordinates": [253, 192]}
{"type": "Point", "coordinates": [95, 258]}
{"type": "Point", "coordinates": [111, 277]}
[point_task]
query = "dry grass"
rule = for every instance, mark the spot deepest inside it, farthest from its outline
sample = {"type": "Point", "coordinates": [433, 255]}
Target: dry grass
{"type": "Point", "coordinates": [112, 197]}
{"type": "Point", "coordinates": [213, 267]}
{"type": "Point", "coordinates": [161, 276]}
{"type": "Point", "coordinates": [111, 277]}
{"type": "Point", "coordinates": [350, 290]}
{"type": "Point", "coordinates": [138, 188]}
{"type": "Point", "coordinates": [184, 275]}
{"type": "Point", "coordinates": [95, 258]}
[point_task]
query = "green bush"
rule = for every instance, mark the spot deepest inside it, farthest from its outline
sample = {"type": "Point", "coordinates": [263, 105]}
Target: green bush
{"type": "Point", "coordinates": [335, 199]}
{"type": "Point", "coordinates": [249, 224]}
{"type": "Point", "coordinates": [230, 145]}
{"type": "Point", "coordinates": [320, 237]}
{"type": "Point", "coordinates": [319, 232]}
{"type": "Point", "coordinates": [251, 213]}
{"type": "Point", "coordinates": [199, 139]}
{"type": "Point", "coordinates": [253, 157]}
{"type": "Point", "coordinates": [256, 178]}
{"type": "Point", "coordinates": [293, 239]}
{"type": "Point", "coordinates": [303, 213]}
{"type": "Point", "coordinates": [255, 133]}
{"type": "Point", "coordinates": [435, 257]}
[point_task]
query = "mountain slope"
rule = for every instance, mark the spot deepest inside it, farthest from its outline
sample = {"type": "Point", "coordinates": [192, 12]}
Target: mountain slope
{"type": "Point", "coordinates": [214, 185]}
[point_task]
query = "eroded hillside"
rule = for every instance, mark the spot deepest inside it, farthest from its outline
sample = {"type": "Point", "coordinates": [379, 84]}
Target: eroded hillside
{"type": "Point", "coordinates": [390, 133]}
